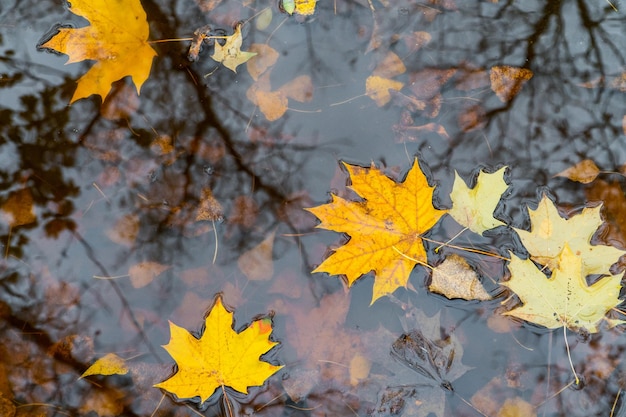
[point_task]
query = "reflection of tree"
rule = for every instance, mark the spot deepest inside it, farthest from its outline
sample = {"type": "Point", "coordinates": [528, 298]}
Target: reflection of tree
{"type": "Point", "coordinates": [60, 154]}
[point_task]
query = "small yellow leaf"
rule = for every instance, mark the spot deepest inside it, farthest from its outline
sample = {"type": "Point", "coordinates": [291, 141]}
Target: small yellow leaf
{"type": "Point", "coordinates": [564, 299]}
{"type": "Point", "coordinates": [117, 40]}
{"type": "Point", "coordinates": [377, 88]}
{"type": "Point", "coordinates": [231, 54]}
{"type": "Point", "coordinates": [221, 357]}
{"type": "Point", "coordinates": [144, 273]}
{"type": "Point", "coordinates": [584, 172]}
{"type": "Point", "coordinates": [507, 81]}
{"type": "Point", "coordinates": [109, 364]}
{"type": "Point", "coordinates": [257, 263]}
{"type": "Point", "coordinates": [454, 278]}
{"type": "Point", "coordinates": [473, 208]}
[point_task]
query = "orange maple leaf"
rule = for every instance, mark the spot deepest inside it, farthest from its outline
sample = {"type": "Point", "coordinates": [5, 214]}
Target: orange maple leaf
{"type": "Point", "coordinates": [117, 39]}
{"type": "Point", "coordinates": [386, 229]}
{"type": "Point", "coordinates": [220, 358]}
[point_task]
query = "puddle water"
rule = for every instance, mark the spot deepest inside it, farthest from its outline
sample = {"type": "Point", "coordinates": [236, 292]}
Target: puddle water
{"type": "Point", "coordinates": [188, 178]}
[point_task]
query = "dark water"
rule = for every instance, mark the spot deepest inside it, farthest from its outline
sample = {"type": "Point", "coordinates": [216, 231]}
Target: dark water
{"type": "Point", "coordinates": [105, 198]}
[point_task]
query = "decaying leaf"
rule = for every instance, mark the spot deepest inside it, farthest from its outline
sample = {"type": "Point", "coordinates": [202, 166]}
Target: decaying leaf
{"type": "Point", "coordinates": [507, 81]}
{"type": "Point", "coordinates": [230, 54]}
{"type": "Point", "coordinates": [377, 88]}
{"type": "Point", "coordinates": [424, 364]}
{"type": "Point", "coordinates": [144, 273]}
{"type": "Point", "coordinates": [117, 40]}
{"type": "Point", "coordinates": [454, 278]}
{"type": "Point", "coordinates": [378, 84]}
{"type": "Point", "coordinates": [473, 208]}
{"type": "Point", "coordinates": [385, 229]}
{"type": "Point", "coordinates": [18, 208]}
{"type": "Point", "coordinates": [109, 364]}
{"type": "Point", "coordinates": [273, 104]}
{"type": "Point", "coordinates": [564, 299]}
{"type": "Point", "coordinates": [550, 233]}
{"type": "Point", "coordinates": [585, 172]}
{"type": "Point", "coordinates": [257, 263]}
{"type": "Point", "coordinates": [221, 357]}
{"type": "Point", "coordinates": [416, 40]}
{"type": "Point", "coordinates": [264, 59]}
{"type": "Point", "coordinates": [210, 209]}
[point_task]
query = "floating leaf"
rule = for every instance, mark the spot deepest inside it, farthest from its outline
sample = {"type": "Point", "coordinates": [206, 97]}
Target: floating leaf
{"type": "Point", "coordinates": [585, 172]}
{"type": "Point", "coordinates": [454, 278]}
{"type": "Point", "coordinates": [117, 40]}
{"type": "Point", "coordinates": [507, 81]}
{"type": "Point", "coordinates": [221, 357]}
{"type": "Point", "coordinates": [230, 54]}
{"type": "Point", "coordinates": [144, 273]}
{"type": "Point", "coordinates": [473, 208]}
{"type": "Point", "coordinates": [550, 232]}
{"type": "Point", "coordinates": [564, 299]}
{"type": "Point", "coordinates": [385, 229]}
{"type": "Point", "coordinates": [109, 364]}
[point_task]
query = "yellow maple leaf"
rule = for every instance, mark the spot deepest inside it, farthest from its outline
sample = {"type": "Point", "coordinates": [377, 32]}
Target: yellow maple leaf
{"type": "Point", "coordinates": [220, 358]}
{"type": "Point", "coordinates": [385, 230]}
{"type": "Point", "coordinates": [117, 39]}
{"type": "Point", "coordinates": [473, 208]}
{"type": "Point", "coordinates": [550, 232]}
{"type": "Point", "coordinates": [564, 299]}
{"type": "Point", "coordinates": [231, 54]}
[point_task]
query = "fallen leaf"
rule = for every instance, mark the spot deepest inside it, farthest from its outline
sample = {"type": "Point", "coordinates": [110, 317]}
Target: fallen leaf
{"type": "Point", "coordinates": [109, 364]}
{"type": "Point", "coordinates": [585, 172]}
{"type": "Point", "coordinates": [359, 369]}
{"type": "Point", "coordinates": [473, 208]}
{"type": "Point", "coordinates": [454, 278]}
{"type": "Point", "coordinates": [424, 363]}
{"type": "Point", "coordinates": [416, 40]}
{"type": "Point", "coordinates": [117, 40]}
{"type": "Point", "coordinates": [301, 7]}
{"type": "Point", "coordinates": [220, 358]}
{"type": "Point", "coordinates": [230, 54]}
{"type": "Point", "coordinates": [18, 208]}
{"type": "Point", "coordinates": [144, 273]}
{"type": "Point", "coordinates": [507, 81]}
{"type": "Point", "coordinates": [550, 232]}
{"type": "Point", "coordinates": [385, 229]}
{"type": "Point", "coordinates": [377, 88]}
{"type": "Point", "coordinates": [264, 59]}
{"type": "Point", "coordinates": [210, 209]}
{"type": "Point", "coordinates": [299, 89]}
{"type": "Point", "coordinates": [390, 66]}
{"type": "Point", "coordinates": [427, 83]}
{"type": "Point", "coordinates": [564, 299]}
{"type": "Point", "coordinates": [257, 263]}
